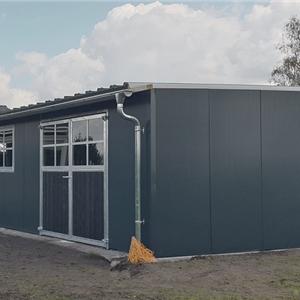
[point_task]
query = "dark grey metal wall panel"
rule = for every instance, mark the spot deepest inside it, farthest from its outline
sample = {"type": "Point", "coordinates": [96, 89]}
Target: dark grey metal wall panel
{"type": "Point", "coordinates": [281, 168]}
{"type": "Point", "coordinates": [55, 202]}
{"type": "Point", "coordinates": [235, 170]}
{"type": "Point", "coordinates": [19, 201]}
{"type": "Point", "coordinates": [11, 209]}
{"type": "Point", "coordinates": [29, 152]}
{"type": "Point", "coordinates": [121, 182]}
{"type": "Point", "coordinates": [88, 205]}
{"type": "Point", "coordinates": [180, 211]}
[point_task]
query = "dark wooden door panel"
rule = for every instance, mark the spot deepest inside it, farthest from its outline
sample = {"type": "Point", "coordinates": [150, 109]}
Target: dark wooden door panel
{"type": "Point", "coordinates": [55, 198]}
{"type": "Point", "coordinates": [88, 201]}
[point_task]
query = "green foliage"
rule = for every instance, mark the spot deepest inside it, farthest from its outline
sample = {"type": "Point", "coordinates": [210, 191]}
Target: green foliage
{"type": "Point", "coordinates": [288, 72]}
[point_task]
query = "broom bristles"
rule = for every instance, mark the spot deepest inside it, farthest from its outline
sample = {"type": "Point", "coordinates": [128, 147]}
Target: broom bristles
{"type": "Point", "coordinates": [138, 253]}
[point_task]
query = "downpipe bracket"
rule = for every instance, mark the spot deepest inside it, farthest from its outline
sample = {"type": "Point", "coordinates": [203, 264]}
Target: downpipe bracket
{"type": "Point", "coordinates": [140, 128]}
{"type": "Point", "coordinates": [140, 221]}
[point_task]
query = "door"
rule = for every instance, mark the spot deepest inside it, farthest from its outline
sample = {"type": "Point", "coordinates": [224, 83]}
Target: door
{"type": "Point", "coordinates": [88, 177]}
{"type": "Point", "coordinates": [73, 201]}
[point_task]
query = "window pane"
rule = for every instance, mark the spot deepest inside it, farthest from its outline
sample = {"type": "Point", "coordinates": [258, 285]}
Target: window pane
{"type": "Point", "coordinates": [79, 155]}
{"type": "Point", "coordinates": [8, 140]}
{"type": "Point", "coordinates": [1, 159]}
{"type": "Point", "coordinates": [1, 138]}
{"type": "Point", "coordinates": [95, 129]}
{"type": "Point", "coordinates": [96, 154]}
{"type": "Point", "coordinates": [79, 131]}
{"type": "Point", "coordinates": [49, 156]}
{"type": "Point", "coordinates": [62, 133]}
{"type": "Point", "coordinates": [62, 155]}
{"type": "Point", "coordinates": [2, 145]}
{"type": "Point", "coordinates": [48, 135]}
{"type": "Point", "coordinates": [8, 158]}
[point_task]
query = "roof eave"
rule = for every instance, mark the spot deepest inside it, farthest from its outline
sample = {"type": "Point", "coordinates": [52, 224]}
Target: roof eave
{"type": "Point", "coordinates": [73, 103]}
{"type": "Point", "coordinates": [53, 107]}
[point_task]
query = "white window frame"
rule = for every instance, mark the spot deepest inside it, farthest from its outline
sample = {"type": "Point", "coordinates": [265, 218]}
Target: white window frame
{"type": "Point", "coordinates": [11, 169]}
{"type": "Point", "coordinates": [87, 143]}
{"type": "Point", "coordinates": [55, 145]}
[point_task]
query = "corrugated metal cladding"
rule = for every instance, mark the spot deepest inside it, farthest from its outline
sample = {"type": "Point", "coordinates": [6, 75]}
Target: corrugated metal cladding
{"type": "Point", "coordinates": [225, 171]}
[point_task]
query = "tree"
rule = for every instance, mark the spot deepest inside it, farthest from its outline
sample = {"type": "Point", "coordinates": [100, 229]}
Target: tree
{"type": "Point", "coordinates": [288, 72]}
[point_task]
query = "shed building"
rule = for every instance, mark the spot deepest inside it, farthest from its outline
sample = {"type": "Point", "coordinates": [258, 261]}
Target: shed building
{"type": "Point", "coordinates": [220, 168]}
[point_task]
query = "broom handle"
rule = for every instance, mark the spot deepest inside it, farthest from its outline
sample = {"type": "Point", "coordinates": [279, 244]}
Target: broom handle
{"type": "Point", "coordinates": [138, 221]}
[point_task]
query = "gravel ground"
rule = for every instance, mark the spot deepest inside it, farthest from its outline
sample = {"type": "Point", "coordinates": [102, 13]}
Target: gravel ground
{"type": "Point", "coordinates": [31, 269]}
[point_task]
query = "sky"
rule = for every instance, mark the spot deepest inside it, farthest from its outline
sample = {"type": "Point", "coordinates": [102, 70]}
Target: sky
{"type": "Point", "coordinates": [51, 49]}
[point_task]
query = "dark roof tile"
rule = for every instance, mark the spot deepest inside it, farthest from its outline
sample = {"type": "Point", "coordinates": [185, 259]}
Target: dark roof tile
{"type": "Point", "coordinates": [4, 109]}
{"type": "Point", "coordinates": [99, 91]}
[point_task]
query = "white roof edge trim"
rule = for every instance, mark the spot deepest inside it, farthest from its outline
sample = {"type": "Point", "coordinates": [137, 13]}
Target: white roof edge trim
{"type": "Point", "coordinates": [221, 86]}
{"type": "Point", "coordinates": [136, 87]}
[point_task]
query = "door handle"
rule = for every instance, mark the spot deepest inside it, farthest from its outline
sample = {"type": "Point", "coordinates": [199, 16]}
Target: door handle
{"type": "Point", "coordinates": [67, 177]}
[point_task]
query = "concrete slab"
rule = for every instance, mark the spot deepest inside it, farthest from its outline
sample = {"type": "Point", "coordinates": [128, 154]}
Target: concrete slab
{"type": "Point", "coordinates": [111, 256]}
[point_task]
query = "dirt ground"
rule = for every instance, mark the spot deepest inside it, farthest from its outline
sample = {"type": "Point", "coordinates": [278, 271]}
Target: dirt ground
{"type": "Point", "coordinates": [31, 269]}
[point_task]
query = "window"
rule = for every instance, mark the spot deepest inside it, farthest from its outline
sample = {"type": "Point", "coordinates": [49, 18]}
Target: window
{"type": "Point", "coordinates": [74, 143]}
{"type": "Point", "coordinates": [88, 142]}
{"type": "Point", "coordinates": [6, 149]}
{"type": "Point", "coordinates": [56, 145]}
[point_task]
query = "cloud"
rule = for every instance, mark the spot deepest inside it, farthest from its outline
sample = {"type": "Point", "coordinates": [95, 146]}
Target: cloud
{"type": "Point", "coordinates": [31, 63]}
{"type": "Point", "coordinates": [165, 42]}
{"type": "Point", "coordinates": [12, 96]}
{"type": "Point", "coordinates": [63, 74]}
{"type": "Point", "coordinates": [157, 42]}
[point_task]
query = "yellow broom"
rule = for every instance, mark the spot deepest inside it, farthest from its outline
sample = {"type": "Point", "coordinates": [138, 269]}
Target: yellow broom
{"type": "Point", "coordinates": [139, 254]}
